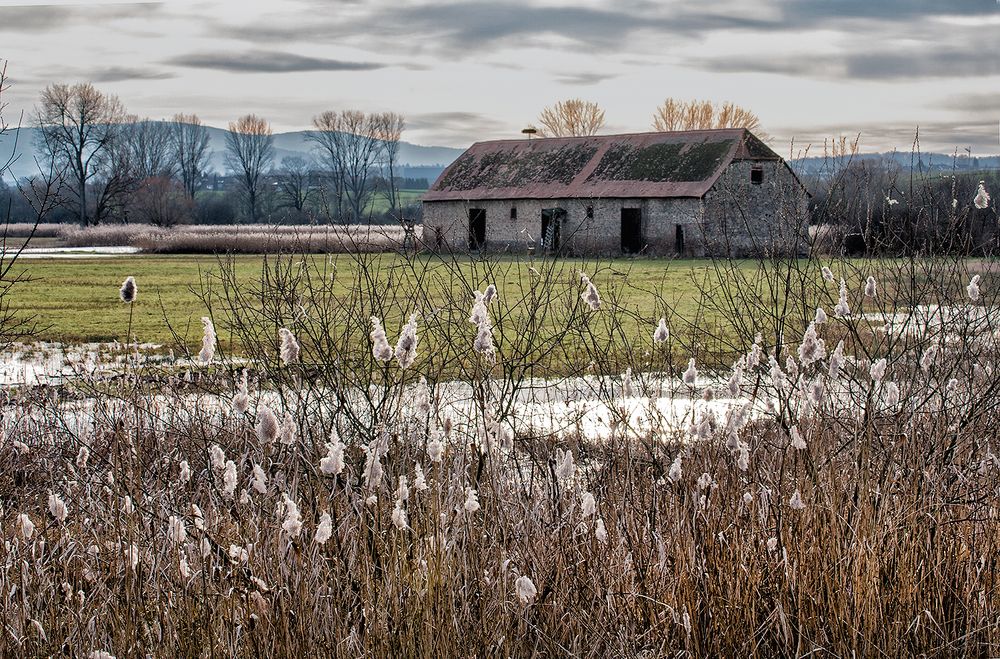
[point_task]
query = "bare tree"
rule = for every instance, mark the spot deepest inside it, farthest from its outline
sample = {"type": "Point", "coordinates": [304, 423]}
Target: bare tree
{"type": "Point", "coordinates": [250, 147]}
{"type": "Point", "coordinates": [295, 182]}
{"type": "Point", "coordinates": [674, 114]}
{"type": "Point", "coordinates": [189, 141]}
{"type": "Point", "coordinates": [391, 126]}
{"type": "Point", "coordinates": [162, 201]}
{"type": "Point", "coordinates": [150, 149]}
{"type": "Point", "coordinates": [571, 118]}
{"type": "Point", "coordinates": [350, 145]}
{"type": "Point", "coordinates": [80, 126]}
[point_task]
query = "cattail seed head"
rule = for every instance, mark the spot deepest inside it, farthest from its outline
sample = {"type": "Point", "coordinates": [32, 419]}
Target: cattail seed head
{"type": "Point", "coordinates": [661, 334]}
{"type": "Point", "coordinates": [289, 347]}
{"type": "Point", "coordinates": [973, 289]}
{"type": "Point", "coordinates": [982, 199]}
{"type": "Point", "coordinates": [406, 346]}
{"type": "Point", "coordinates": [128, 291]}
{"type": "Point", "coordinates": [267, 425]}
{"type": "Point", "coordinates": [525, 589]}
{"type": "Point", "coordinates": [324, 531]}
{"type": "Point", "coordinates": [208, 340]}
{"type": "Point", "coordinates": [381, 349]}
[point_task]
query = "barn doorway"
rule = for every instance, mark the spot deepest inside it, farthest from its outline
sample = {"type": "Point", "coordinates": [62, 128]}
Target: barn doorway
{"type": "Point", "coordinates": [552, 221]}
{"type": "Point", "coordinates": [477, 228]}
{"type": "Point", "coordinates": [632, 231]}
{"type": "Point", "coordinates": [679, 239]}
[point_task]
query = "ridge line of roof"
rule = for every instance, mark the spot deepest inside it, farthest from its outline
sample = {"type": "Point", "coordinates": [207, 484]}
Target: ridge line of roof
{"type": "Point", "coordinates": [522, 140]}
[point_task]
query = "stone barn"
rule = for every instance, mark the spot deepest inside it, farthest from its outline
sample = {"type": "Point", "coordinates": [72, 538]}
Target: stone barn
{"type": "Point", "coordinates": [692, 193]}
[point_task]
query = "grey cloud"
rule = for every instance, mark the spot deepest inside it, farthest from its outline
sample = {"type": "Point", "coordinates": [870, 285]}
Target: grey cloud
{"type": "Point", "coordinates": [875, 65]}
{"type": "Point", "coordinates": [973, 103]}
{"type": "Point", "coordinates": [267, 62]}
{"type": "Point", "coordinates": [123, 73]}
{"type": "Point", "coordinates": [474, 28]}
{"type": "Point", "coordinates": [45, 18]}
{"type": "Point", "coordinates": [584, 78]}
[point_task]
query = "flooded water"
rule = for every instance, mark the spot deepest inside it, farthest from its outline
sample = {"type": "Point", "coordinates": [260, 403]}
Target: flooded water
{"type": "Point", "coordinates": [591, 406]}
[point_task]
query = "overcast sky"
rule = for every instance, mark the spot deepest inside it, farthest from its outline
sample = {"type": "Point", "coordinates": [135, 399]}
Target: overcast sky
{"type": "Point", "coordinates": [480, 69]}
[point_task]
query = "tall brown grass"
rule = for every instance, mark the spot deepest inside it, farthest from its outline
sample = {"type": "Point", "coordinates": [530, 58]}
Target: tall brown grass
{"type": "Point", "coordinates": [892, 554]}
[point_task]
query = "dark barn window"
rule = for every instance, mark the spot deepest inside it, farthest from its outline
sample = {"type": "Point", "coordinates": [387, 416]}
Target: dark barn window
{"type": "Point", "coordinates": [631, 231]}
{"type": "Point", "coordinates": [513, 213]}
{"type": "Point", "coordinates": [679, 239]}
{"type": "Point", "coordinates": [477, 228]}
{"type": "Point", "coordinates": [590, 212]}
{"type": "Point", "coordinates": [757, 175]}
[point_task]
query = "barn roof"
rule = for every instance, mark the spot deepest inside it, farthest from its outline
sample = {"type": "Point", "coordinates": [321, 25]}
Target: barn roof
{"type": "Point", "coordinates": [675, 164]}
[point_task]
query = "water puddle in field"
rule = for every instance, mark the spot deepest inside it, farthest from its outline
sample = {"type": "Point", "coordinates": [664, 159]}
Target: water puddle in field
{"type": "Point", "coordinates": [71, 252]}
{"type": "Point", "coordinates": [933, 319]}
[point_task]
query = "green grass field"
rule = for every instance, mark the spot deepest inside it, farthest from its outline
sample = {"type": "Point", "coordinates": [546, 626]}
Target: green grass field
{"type": "Point", "coordinates": [76, 300]}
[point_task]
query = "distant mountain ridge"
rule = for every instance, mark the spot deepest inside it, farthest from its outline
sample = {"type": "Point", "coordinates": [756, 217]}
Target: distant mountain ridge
{"type": "Point", "coordinates": [415, 160]}
{"type": "Point", "coordinates": [418, 161]}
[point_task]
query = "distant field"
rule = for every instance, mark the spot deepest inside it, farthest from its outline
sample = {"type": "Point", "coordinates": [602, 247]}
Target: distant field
{"type": "Point", "coordinates": [77, 300]}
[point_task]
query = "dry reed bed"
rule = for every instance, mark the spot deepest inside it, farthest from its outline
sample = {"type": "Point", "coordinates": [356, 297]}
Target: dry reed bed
{"type": "Point", "coordinates": [246, 239]}
{"type": "Point", "coordinates": [862, 525]}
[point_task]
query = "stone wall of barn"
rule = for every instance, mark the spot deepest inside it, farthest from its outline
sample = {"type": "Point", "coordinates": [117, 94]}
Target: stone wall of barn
{"type": "Point", "coordinates": [590, 227]}
{"type": "Point", "coordinates": [741, 218]}
{"type": "Point", "coordinates": [736, 217]}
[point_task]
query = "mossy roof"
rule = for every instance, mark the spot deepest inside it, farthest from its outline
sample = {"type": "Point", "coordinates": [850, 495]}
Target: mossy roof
{"type": "Point", "coordinates": [676, 164]}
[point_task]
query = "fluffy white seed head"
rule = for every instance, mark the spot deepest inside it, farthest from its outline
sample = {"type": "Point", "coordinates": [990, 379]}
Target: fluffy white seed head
{"type": "Point", "coordinates": [217, 456]}
{"type": "Point", "coordinates": [827, 273]}
{"type": "Point", "coordinates": [565, 466]}
{"type": "Point", "coordinates": [25, 526]}
{"type": "Point", "coordinates": [208, 340]}
{"type": "Point", "coordinates": [419, 481]}
{"type": "Point", "coordinates": [267, 425]}
{"type": "Point", "coordinates": [399, 518]}
{"type": "Point", "coordinates": [973, 289]}
{"type": "Point", "coordinates": [661, 333]}
{"type": "Point", "coordinates": [229, 480]}
{"type": "Point", "coordinates": [797, 441]}
{"type": "Point", "coordinates": [588, 505]}
{"type": "Point", "coordinates": [690, 376]}
{"type": "Point", "coordinates": [870, 287]}
{"type": "Point", "coordinates": [259, 480]}
{"type": "Point", "coordinates": [176, 530]}
{"type": "Point", "coordinates": [289, 347]}
{"type": "Point", "coordinates": [525, 589]}
{"type": "Point", "coordinates": [324, 531]}
{"type": "Point", "coordinates": [332, 464]}
{"type": "Point", "coordinates": [590, 294]}
{"type": "Point", "coordinates": [381, 350]}
{"type": "Point", "coordinates": [600, 531]}
{"type": "Point", "coordinates": [128, 291]}
{"type": "Point", "coordinates": [57, 507]}
{"type": "Point", "coordinates": [842, 309]}
{"type": "Point", "coordinates": [292, 524]}
{"type": "Point", "coordinates": [674, 473]}
{"type": "Point", "coordinates": [795, 502]}
{"type": "Point", "coordinates": [406, 346]}
{"type": "Point", "coordinates": [471, 504]}
{"type": "Point", "coordinates": [982, 199]}
{"type": "Point", "coordinates": [878, 368]}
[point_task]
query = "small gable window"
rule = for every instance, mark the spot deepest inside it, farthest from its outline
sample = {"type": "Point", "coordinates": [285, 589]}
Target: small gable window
{"type": "Point", "coordinates": [757, 175]}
